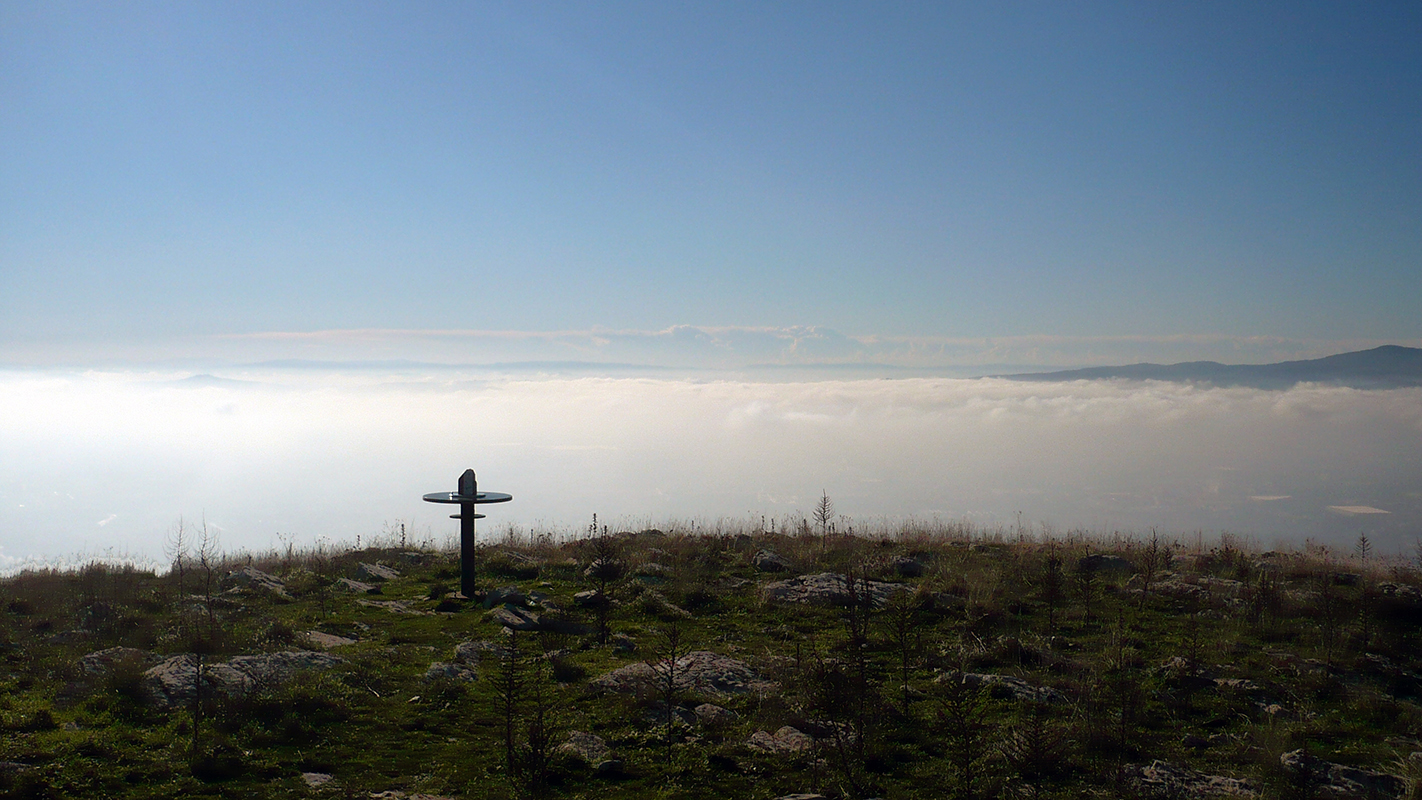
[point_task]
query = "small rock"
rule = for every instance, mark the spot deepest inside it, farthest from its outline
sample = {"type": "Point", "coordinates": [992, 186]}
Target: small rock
{"type": "Point", "coordinates": [590, 748]}
{"type": "Point", "coordinates": [712, 715]}
{"type": "Point", "coordinates": [518, 619]}
{"type": "Point", "coordinates": [357, 587]}
{"type": "Point", "coordinates": [591, 598]}
{"type": "Point", "coordinates": [454, 672]}
{"type": "Point", "coordinates": [376, 573]}
{"type": "Point", "coordinates": [770, 561]}
{"type": "Point", "coordinates": [907, 567]}
{"type": "Point", "coordinates": [316, 779]}
{"type": "Point", "coordinates": [474, 653]}
{"type": "Point", "coordinates": [250, 577]}
{"type": "Point", "coordinates": [604, 569]}
{"type": "Point", "coordinates": [1005, 686]}
{"type": "Point", "coordinates": [622, 643]}
{"type": "Point", "coordinates": [325, 641]}
{"type": "Point", "coordinates": [784, 740]}
{"type": "Point", "coordinates": [505, 594]}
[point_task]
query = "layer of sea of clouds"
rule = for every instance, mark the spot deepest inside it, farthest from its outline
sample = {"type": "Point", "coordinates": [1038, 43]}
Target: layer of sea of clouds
{"type": "Point", "coordinates": [107, 462]}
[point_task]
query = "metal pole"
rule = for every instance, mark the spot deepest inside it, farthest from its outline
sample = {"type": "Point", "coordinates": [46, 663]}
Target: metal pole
{"type": "Point", "coordinates": [468, 487]}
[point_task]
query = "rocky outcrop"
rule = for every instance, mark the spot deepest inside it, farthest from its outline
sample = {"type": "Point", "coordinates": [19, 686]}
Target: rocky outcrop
{"type": "Point", "coordinates": [104, 662]}
{"type": "Point", "coordinates": [828, 588]}
{"type": "Point", "coordinates": [253, 579]}
{"type": "Point", "coordinates": [173, 683]}
{"type": "Point", "coordinates": [784, 740]}
{"type": "Point", "coordinates": [1172, 780]}
{"type": "Point", "coordinates": [700, 671]}
{"type": "Point", "coordinates": [1338, 782]}
{"type": "Point", "coordinates": [357, 587]}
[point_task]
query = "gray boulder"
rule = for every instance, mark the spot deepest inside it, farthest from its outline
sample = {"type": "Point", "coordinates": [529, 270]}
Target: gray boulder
{"type": "Point", "coordinates": [357, 587]}
{"type": "Point", "coordinates": [104, 662]}
{"type": "Point", "coordinates": [506, 594]}
{"type": "Point", "coordinates": [699, 671]}
{"type": "Point", "coordinates": [784, 740]}
{"type": "Point", "coordinates": [173, 683]}
{"type": "Point", "coordinates": [828, 588]}
{"type": "Point", "coordinates": [1337, 782]}
{"type": "Point", "coordinates": [591, 749]}
{"type": "Point", "coordinates": [907, 567]}
{"type": "Point", "coordinates": [375, 573]}
{"type": "Point", "coordinates": [517, 619]}
{"type": "Point", "coordinates": [712, 715]}
{"type": "Point", "coordinates": [323, 641]}
{"type": "Point", "coordinates": [454, 672]}
{"type": "Point", "coordinates": [1005, 686]}
{"type": "Point", "coordinates": [770, 561]}
{"type": "Point", "coordinates": [1173, 780]}
{"type": "Point", "coordinates": [253, 579]}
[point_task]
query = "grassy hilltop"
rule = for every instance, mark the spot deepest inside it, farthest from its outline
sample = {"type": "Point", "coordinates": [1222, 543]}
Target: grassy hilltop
{"type": "Point", "coordinates": [926, 663]}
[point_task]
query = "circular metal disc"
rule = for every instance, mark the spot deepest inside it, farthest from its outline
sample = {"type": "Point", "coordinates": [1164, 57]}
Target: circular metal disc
{"type": "Point", "coordinates": [455, 497]}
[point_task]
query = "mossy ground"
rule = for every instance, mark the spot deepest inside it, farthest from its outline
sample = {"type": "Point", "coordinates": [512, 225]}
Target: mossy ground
{"type": "Point", "coordinates": [1291, 626]}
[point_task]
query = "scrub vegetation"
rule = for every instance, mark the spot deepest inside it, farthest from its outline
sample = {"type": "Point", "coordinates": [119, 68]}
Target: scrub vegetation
{"type": "Point", "coordinates": [926, 661]}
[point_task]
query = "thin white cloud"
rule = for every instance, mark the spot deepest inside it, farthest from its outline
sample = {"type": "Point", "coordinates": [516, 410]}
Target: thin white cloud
{"type": "Point", "coordinates": [106, 520]}
{"type": "Point", "coordinates": [691, 347]}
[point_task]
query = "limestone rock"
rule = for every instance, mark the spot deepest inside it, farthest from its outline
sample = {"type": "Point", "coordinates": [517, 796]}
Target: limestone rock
{"type": "Point", "coordinates": [1179, 781]}
{"type": "Point", "coordinates": [1005, 686]}
{"type": "Point", "coordinates": [325, 641]}
{"type": "Point", "coordinates": [712, 715]}
{"type": "Point", "coordinates": [250, 577]}
{"type": "Point", "coordinates": [1338, 782]}
{"type": "Point", "coordinates": [376, 573]}
{"type": "Point", "coordinates": [506, 594]}
{"type": "Point", "coordinates": [591, 598]}
{"type": "Point", "coordinates": [518, 619]}
{"type": "Point", "coordinates": [454, 672]}
{"type": "Point", "coordinates": [473, 653]}
{"type": "Point", "coordinates": [907, 567]}
{"type": "Point", "coordinates": [172, 684]}
{"type": "Point", "coordinates": [700, 671]}
{"type": "Point", "coordinates": [770, 561]}
{"type": "Point", "coordinates": [357, 587]}
{"type": "Point", "coordinates": [591, 749]}
{"type": "Point", "coordinates": [103, 662]}
{"type": "Point", "coordinates": [827, 588]}
{"type": "Point", "coordinates": [784, 740]}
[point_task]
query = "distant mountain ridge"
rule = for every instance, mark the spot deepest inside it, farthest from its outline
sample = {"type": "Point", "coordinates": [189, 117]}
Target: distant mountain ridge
{"type": "Point", "coordinates": [1388, 367]}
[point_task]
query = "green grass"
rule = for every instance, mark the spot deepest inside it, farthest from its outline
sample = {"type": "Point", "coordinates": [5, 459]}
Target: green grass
{"type": "Point", "coordinates": [377, 725]}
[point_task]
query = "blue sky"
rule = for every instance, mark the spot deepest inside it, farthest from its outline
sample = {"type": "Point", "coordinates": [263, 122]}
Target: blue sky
{"type": "Point", "coordinates": [1222, 172]}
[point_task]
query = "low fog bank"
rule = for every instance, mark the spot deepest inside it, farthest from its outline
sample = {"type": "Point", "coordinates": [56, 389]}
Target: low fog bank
{"type": "Point", "coordinates": [108, 462]}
